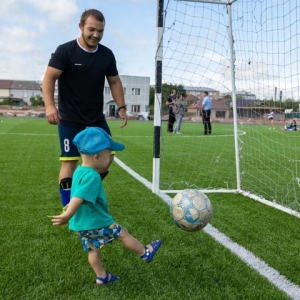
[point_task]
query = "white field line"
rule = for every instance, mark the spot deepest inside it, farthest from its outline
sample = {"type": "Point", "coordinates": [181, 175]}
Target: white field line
{"type": "Point", "coordinates": [272, 275]}
{"type": "Point", "coordinates": [37, 134]}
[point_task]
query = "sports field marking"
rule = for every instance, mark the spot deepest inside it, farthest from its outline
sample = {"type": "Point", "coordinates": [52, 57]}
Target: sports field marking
{"type": "Point", "coordinates": [23, 133]}
{"type": "Point", "coordinates": [272, 275]}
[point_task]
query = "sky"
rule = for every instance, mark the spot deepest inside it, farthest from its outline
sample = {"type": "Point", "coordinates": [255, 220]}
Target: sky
{"type": "Point", "coordinates": [195, 43]}
{"type": "Point", "coordinates": [30, 30]}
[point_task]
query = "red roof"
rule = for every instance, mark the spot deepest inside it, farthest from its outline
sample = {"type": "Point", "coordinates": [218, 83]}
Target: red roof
{"type": "Point", "coordinates": [216, 104]}
{"type": "Point", "coordinates": [190, 97]}
{"type": "Point", "coordinates": [5, 84]}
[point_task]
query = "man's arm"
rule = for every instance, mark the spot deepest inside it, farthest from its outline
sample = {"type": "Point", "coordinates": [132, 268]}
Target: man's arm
{"type": "Point", "coordinates": [49, 80]}
{"type": "Point", "coordinates": [203, 104]}
{"type": "Point", "coordinates": [116, 88]}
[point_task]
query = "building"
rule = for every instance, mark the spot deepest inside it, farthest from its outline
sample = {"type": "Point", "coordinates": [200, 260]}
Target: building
{"type": "Point", "coordinates": [4, 89]}
{"type": "Point", "coordinates": [22, 90]}
{"type": "Point", "coordinates": [197, 92]}
{"type": "Point", "coordinates": [195, 96]}
{"type": "Point", "coordinates": [219, 109]}
{"type": "Point", "coordinates": [19, 91]}
{"type": "Point", "coordinates": [245, 95]}
{"type": "Point", "coordinates": [136, 92]}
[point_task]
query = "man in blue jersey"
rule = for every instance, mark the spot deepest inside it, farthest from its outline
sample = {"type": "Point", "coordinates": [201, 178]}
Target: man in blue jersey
{"type": "Point", "coordinates": [80, 66]}
{"type": "Point", "coordinates": [206, 111]}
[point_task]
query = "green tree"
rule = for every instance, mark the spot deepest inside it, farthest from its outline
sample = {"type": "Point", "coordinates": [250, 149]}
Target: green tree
{"type": "Point", "coordinates": [37, 101]}
{"type": "Point", "coordinates": [151, 96]}
{"type": "Point", "coordinates": [7, 101]}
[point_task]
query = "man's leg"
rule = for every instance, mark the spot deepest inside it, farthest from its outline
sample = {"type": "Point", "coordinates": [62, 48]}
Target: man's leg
{"type": "Point", "coordinates": [65, 180]}
{"type": "Point", "coordinates": [204, 120]}
{"type": "Point", "coordinates": [208, 121]}
{"type": "Point", "coordinates": [69, 159]}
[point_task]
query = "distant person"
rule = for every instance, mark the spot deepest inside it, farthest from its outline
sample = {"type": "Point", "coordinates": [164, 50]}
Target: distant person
{"type": "Point", "coordinates": [271, 119]}
{"type": "Point", "coordinates": [170, 102]}
{"type": "Point", "coordinates": [292, 126]}
{"type": "Point", "coordinates": [87, 211]}
{"type": "Point", "coordinates": [206, 112]}
{"type": "Point", "coordinates": [80, 66]}
{"type": "Point", "coordinates": [179, 116]}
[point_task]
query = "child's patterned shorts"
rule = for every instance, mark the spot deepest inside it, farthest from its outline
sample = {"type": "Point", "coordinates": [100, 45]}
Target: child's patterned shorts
{"type": "Point", "coordinates": [97, 238]}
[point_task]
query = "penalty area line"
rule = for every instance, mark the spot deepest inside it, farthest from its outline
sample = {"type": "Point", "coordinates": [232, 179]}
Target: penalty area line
{"type": "Point", "coordinates": [272, 275]}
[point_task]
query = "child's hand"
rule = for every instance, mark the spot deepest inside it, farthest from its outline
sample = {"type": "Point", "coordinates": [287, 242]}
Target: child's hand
{"type": "Point", "coordinates": [60, 220]}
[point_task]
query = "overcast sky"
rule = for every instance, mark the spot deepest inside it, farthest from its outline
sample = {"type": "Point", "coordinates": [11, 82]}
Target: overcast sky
{"type": "Point", "coordinates": [30, 30]}
{"type": "Point", "coordinates": [196, 40]}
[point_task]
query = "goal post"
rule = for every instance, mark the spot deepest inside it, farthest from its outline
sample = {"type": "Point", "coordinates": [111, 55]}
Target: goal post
{"type": "Point", "coordinates": [238, 51]}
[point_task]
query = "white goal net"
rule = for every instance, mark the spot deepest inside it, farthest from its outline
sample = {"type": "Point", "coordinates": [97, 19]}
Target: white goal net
{"type": "Point", "coordinates": [246, 55]}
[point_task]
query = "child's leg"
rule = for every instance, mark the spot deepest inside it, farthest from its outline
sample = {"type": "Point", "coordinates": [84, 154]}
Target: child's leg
{"type": "Point", "coordinates": [102, 276]}
{"type": "Point", "coordinates": [95, 262]}
{"type": "Point", "coordinates": [134, 245]}
{"type": "Point", "coordinates": [131, 242]}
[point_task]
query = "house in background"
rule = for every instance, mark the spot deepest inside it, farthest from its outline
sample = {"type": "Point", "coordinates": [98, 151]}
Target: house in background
{"type": "Point", "coordinates": [219, 109]}
{"type": "Point", "coordinates": [136, 91]}
{"type": "Point", "coordinates": [19, 91]}
{"type": "Point", "coordinates": [24, 90]}
{"type": "Point", "coordinates": [197, 92]}
{"type": "Point", "coordinates": [194, 98]}
{"type": "Point", "coordinates": [4, 89]}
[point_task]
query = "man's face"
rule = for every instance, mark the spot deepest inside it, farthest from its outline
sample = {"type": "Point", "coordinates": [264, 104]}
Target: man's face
{"type": "Point", "coordinates": [92, 32]}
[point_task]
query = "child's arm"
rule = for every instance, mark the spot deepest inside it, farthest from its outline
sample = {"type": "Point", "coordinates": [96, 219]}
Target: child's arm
{"type": "Point", "coordinates": [67, 215]}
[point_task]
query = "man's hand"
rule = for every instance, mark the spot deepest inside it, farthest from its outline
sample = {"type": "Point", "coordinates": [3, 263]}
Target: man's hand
{"type": "Point", "coordinates": [123, 116]}
{"type": "Point", "coordinates": [52, 115]}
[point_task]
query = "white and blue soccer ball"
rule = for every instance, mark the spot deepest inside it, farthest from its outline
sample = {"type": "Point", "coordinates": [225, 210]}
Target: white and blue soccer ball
{"type": "Point", "coordinates": [191, 210]}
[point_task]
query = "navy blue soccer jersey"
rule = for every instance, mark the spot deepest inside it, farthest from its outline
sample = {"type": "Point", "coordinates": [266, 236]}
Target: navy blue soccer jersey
{"type": "Point", "coordinates": [81, 85]}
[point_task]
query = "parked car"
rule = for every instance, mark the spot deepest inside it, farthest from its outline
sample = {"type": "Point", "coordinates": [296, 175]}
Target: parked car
{"type": "Point", "coordinates": [141, 116]}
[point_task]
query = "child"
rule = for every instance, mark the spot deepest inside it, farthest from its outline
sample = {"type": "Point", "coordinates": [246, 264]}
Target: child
{"type": "Point", "coordinates": [87, 211]}
{"type": "Point", "coordinates": [292, 126]}
{"type": "Point", "coordinates": [271, 119]}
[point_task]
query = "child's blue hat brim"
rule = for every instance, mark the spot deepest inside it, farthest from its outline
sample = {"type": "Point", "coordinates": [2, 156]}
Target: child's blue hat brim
{"type": "Point", "coordinates": [93, 140]}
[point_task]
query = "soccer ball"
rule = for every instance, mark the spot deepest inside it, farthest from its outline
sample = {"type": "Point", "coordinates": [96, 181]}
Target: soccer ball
{"type": "Point", "coordinates": [191, 210]}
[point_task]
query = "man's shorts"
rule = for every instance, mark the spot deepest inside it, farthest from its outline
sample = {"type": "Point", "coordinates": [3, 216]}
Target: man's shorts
{"type": "Point", "coordinates": [97, 238]}
{"type": "Point", "coordinates": [66, 135]}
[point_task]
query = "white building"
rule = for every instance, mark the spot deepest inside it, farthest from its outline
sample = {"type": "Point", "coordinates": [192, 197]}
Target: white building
{"type": "Point", "coordinates": [136, 91]}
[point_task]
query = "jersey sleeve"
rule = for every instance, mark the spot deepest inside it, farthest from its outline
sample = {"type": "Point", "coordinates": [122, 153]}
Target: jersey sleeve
{"type": "Point", "coordinates": [112, 70]}
{"type": "Point", "coordinates": [59, 59]}
{"type": "Point", "coordinates": [88, 188]}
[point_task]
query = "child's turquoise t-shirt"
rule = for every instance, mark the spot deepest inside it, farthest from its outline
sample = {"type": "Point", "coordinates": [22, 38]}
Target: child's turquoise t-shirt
{"type": "Point", "coordinates": [93, 212]}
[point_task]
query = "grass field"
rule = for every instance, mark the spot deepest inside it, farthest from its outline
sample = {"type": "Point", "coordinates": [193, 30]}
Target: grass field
{"type": "Point", "coordinates": [40, 261]}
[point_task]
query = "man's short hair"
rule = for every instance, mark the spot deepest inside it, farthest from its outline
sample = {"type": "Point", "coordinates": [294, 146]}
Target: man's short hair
{"type": "Point", "coordinates": [92, 13]}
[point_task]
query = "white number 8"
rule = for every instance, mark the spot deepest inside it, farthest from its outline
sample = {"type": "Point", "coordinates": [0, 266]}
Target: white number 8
{"type": "Point", "coordinates": [66, 145]}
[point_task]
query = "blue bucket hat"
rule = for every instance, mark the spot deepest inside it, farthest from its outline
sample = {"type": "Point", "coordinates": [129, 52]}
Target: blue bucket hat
{"type": "Point", "coordinates": [93, 140]}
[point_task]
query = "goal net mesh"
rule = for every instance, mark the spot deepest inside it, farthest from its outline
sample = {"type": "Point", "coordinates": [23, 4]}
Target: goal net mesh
{"type": "Point", "coordinates": [197, 58]}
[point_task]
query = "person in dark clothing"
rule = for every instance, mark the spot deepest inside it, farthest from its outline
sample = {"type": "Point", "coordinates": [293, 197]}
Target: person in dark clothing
{"type": "Point", "coordinates": [170, 102]}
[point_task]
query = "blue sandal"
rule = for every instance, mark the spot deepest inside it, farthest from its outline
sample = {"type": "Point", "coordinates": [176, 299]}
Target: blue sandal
{"type": "Point", "coordinates": [148, 256]}
{"type": "Point", "coordinates": [107, 279]}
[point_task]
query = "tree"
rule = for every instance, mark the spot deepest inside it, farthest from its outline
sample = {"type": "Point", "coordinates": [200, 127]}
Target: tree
{"type": "Point", "coordinates": [37, 101]}
{"type": "Point", "coordinates": [151, 96]}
